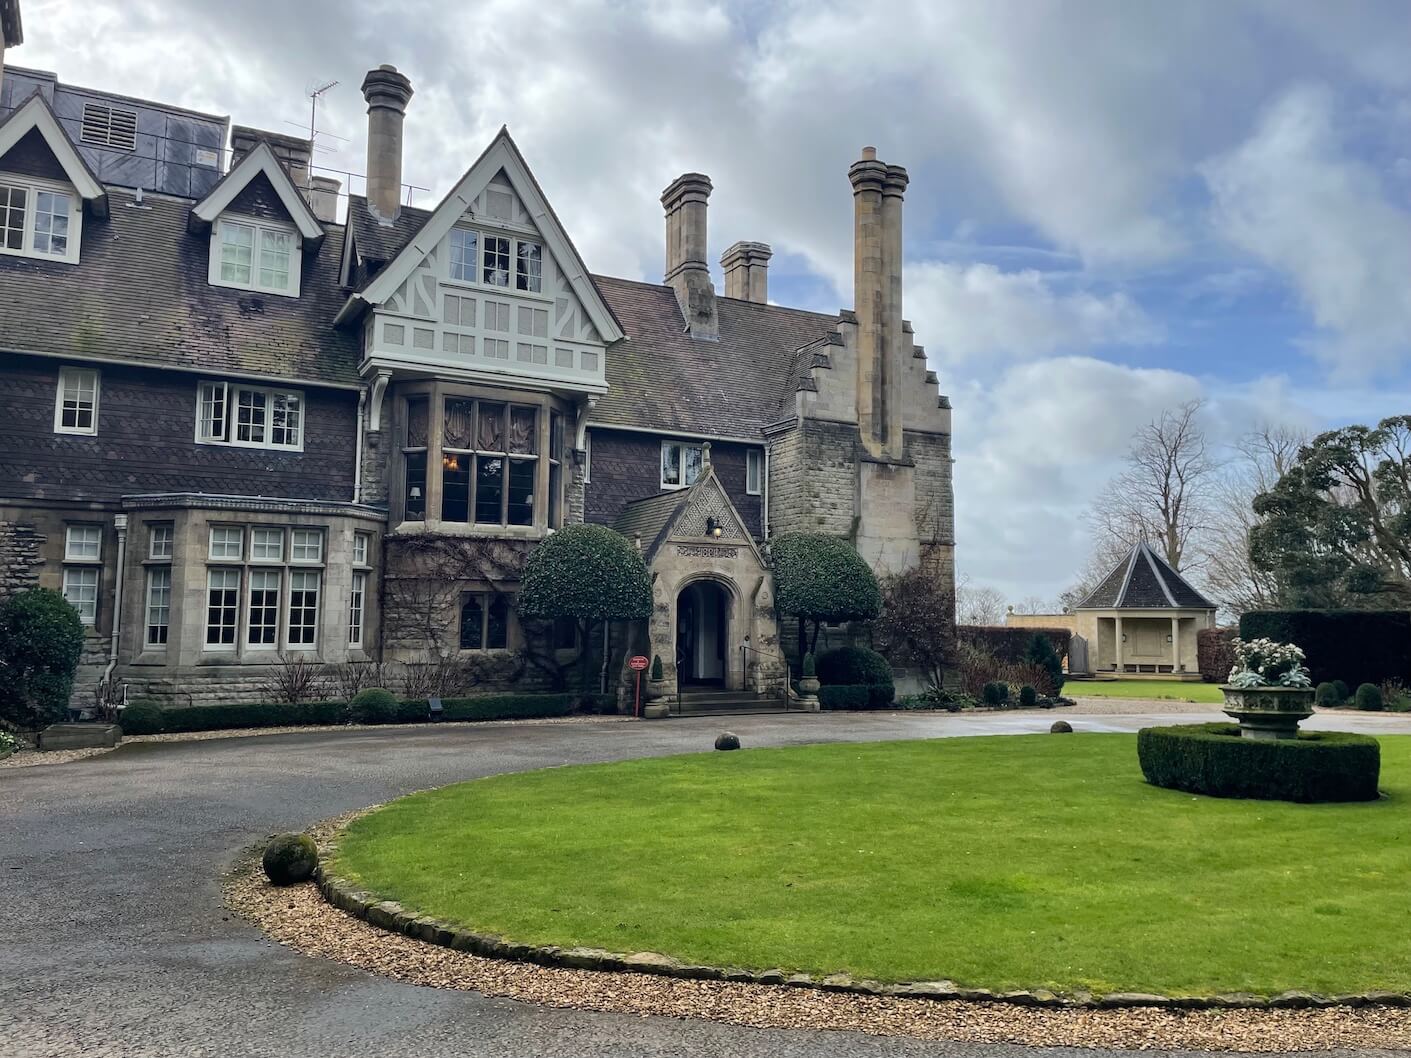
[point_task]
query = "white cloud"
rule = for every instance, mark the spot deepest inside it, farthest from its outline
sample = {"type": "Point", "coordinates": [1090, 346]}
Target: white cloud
{"type": "Point", "coordinates": [1292, 196]}
{"type": "Point", "coordinates": [965, 312]}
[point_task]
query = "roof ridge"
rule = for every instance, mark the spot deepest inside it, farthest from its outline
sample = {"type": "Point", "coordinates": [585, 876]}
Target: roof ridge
{"type": "Point", "coordinates": [1151, 557]}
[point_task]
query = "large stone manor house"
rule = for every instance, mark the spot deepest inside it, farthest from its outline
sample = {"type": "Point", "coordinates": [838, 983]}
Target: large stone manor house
{"type": "Point", "coordinates": [237, 430]}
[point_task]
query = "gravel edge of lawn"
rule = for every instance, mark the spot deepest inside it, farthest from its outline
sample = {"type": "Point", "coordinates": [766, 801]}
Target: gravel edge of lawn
{"type": "Point", "coordinates": [299, 918]}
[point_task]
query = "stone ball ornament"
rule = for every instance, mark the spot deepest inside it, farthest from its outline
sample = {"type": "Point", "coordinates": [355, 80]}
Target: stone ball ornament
{"type": "Point", "coordinates": [290, 859]}
{"type": "Point", "coordinates": [1060, 727]}
{"type": "Point", "coordinates": [726, 741]}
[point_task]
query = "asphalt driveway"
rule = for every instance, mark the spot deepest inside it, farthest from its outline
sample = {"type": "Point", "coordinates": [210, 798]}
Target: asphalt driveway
{"type": "Point", "coordinates": [114, 941]}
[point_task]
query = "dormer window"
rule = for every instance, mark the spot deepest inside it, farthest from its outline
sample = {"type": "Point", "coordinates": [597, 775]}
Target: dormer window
{"type": "Point", "coordinates": [255, 256]}
{"type": "Point", "coordinates": [38, 220]}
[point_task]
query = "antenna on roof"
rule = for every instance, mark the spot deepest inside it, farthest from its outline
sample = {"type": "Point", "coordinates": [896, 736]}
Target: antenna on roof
{"type": "Point", "coordinates": [315, 93]}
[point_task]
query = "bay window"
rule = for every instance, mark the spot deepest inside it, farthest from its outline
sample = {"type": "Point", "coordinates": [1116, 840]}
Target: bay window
{"type": "Point", "coordinates": [255, 256]}
{"type": "Point", "coordinates": [249, 416]}
{"type": "Point", "coordinates": [264, 595]}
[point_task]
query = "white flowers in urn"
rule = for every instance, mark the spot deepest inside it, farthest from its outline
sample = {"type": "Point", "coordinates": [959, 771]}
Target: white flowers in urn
{"type": "Point", "coordinates": [1265, 663]}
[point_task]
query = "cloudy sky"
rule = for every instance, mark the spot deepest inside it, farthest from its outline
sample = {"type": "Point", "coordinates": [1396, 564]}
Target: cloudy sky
{"type": "Point", "coordinates": [1114, 206]}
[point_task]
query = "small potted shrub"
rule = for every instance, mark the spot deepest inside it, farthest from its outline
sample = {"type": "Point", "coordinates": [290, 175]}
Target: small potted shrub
{"type": "Point", "coordinates": [656, 680]}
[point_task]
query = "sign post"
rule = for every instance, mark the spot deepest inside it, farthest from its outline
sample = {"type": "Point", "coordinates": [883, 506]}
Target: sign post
{"type": "Point", "coordinates": [637, 663]}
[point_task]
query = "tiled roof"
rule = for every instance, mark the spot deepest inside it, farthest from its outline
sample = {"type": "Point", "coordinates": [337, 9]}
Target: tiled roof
{"type": "Point", "coordinates": [647, 518]}
{"type": "Point", "coordinates": [662, 378]}
{"type": "Point", "coordinates": [140, 294]}
{"type": "Point", "coordinates": [382, 242]}
{"type": "Point", "coordinates": [1144, 581]}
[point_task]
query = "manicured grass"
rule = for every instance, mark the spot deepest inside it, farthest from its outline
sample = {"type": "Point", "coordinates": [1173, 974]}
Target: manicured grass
{"type": "Point", "coordinates": [1004, 862]}
{"type": "Point", "coordinates": [1170, 690]}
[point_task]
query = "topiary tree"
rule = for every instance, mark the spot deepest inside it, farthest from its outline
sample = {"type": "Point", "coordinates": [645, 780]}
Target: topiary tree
{"type": "Point", "coordinates": [657, 674]}
{"type": "Point", "coordinates": [41, 639]}
{"type": "Point", "coordinates": [852, 665]}
{"type": "Point", "coordinates": [820, 578]}
{"type": "Point", "coordinates": [1028, 696]}
{"type": "Point", "coordinates": [1344, 691]}
{"type": "Point", "coordinates": [810, 667]}
{"type": "Point", "coordinates": [1369, 698]}
{"type": "Point", "coordinates": [1327, 695]}
{"type": "Point", "coordinates": [589, 573]}
{"type": "Point", "coordinates": [1042, 654]}
{"type": "Point", "coordinates": [373, 706]}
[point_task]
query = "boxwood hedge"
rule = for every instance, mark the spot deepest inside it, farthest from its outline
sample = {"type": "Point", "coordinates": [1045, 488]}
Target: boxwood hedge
{"type": "Point", "coordinates": [856, 695]}
{"type": "Point", "coordinates": [145, 718]}
{"type": "Point", "coordinates": [1355, 646]}
{"type": "Point", "coordinates": [1214, 759]}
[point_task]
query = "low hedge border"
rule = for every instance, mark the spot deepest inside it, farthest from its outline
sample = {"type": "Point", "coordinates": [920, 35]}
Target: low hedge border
{"type": "Point", "coordinates": [856, 695]}
{"type": "Point", "coordinates": [394, 918]}
{"type": "Point", "coordinates": [1213, 759]}
{"type": "Point", "coordinates": [148, 719]}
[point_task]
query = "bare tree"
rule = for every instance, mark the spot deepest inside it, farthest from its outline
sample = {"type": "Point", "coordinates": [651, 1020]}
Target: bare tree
{"type": "Point", "coordinates": [978, 605]}
{"type": "Point", "coordinates": [1032, 604]}
{"type": "Point", "coordinates": [1161, 494]}
{"type": "Point", "coordinates": [1261, 458]}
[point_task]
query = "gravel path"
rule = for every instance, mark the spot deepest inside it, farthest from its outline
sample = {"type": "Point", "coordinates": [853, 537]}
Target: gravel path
{"type": "Point", "coordinates": [117, 940]}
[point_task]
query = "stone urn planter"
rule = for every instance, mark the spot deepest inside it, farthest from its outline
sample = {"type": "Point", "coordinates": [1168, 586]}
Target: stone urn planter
{"type": "Point", "coordinates": [1268, 712]}
{"type": "Point", "coordinates": [808, 686]}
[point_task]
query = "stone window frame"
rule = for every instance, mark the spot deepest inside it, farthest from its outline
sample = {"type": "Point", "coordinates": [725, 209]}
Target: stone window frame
{"type": "Point", "coordinates": [70, 390]}
{"type": "Point", "coordinates": [161, 549]}
{"type": "Point", "coordinates": [288, 571]}
{"type": "Point", "coordinates": [681, 464]}
{"type": "Point", "coordinates": [435, 393]}
{"type": "Point", "coordinates": [357, 608]}
{"type": "Point", "coordinates": [487, 600]}
{"type": "Point", "coordinates": [26, 232]}
{"type": "Point", "coordinates": [754, 471]}
{"type": "Point", "coordinates": [81, 580]}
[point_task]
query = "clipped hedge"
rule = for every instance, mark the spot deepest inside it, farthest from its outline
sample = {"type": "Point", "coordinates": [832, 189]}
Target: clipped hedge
{"type": "Point", "coordinates": [1215, 653]}
{"type": "Point", "coordinates": [1355, 646]}
{"type": "Point", "coordinates": [851, 665]}
{"type": "Point", "coordinates": [151, 720]}
{"type": "Point", "coordinates": [1213, 759]}
{"type": "Point", "coordinates": [1011, 645]}
{"type": "Point", "coordinates": [856, 696]}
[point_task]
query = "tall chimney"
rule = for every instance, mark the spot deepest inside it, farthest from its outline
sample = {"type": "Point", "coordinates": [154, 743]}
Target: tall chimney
{"type": "Point", "coordinates": [877, 258]}
{"type": "Point", "coordinates": [387, 93]}
{"type": "Point", "coordinates": [687, 272]}
{"type": "Point", "coordinates": [746, 267]}
{"type": "Point", "coordinates": [323, 197]}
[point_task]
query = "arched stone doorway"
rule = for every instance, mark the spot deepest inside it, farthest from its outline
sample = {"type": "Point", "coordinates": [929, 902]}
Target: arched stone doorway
{"type": "Point", "coordinates": [703, 633]}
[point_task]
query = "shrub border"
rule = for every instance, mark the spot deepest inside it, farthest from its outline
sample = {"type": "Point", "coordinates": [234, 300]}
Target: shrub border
{"type": "Point", "coordinates": [391, 916]}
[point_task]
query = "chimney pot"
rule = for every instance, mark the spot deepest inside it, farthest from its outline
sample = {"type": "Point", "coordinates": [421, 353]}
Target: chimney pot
{"type": "Point", "coordinates": [746, 266]}
{"type": "Point", "coordinates": [387, 93]}
{"type": "Point", "coordinates": [869, 154]}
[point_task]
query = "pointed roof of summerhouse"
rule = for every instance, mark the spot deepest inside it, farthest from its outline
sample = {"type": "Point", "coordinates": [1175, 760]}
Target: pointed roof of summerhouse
{"type": "Point", "coordinates": [1144, 581]}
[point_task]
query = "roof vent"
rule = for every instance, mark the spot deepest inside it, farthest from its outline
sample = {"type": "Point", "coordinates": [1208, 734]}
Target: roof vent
{"type": "Point", "coordinates": [105, 126]}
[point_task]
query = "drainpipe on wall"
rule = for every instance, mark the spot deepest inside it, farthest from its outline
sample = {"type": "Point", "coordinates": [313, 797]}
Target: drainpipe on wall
{"type": "Point", "coordinates": [120, 524]}
{"type": "Point", "coordinates": [358, 448]}
{"type": "Point", "coordinates": [764, 495]}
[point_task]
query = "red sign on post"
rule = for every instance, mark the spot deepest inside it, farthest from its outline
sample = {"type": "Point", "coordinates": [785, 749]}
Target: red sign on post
{"type": "Point", "coordinates": [637, 663]}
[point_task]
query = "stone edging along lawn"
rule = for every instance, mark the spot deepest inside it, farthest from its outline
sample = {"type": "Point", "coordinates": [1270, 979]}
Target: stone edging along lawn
{"type": "Point", "coordinates": [391, 916]}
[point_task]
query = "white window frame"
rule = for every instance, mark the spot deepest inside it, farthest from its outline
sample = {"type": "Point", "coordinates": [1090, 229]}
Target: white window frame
{"type": "Point", "coordinates": [225, 555]}
{"type": "Point", "coordinates": [76, 543]}
{"type": "Point", "coordinates": [234, 623]}
{"type": "Point", "coordinates": [161, 540]}
{"type": "Point", "coordinates": [263, 574]}
{"type": "Point", "coordinates": [473, 262]}
{"type": "Point", "coordinates": [151, 607]}
{"type": "Point", "coordinates": [32, 189]}
{"type": "Point", "coordinates": [74, 377]}
{"type": "Point", "coordinates": [681, 447]}
{"type": "Point", "coordinates": [297, 577]}
{"type": "Point", "coordinates": [80, 585]}
{"type": "Point", "coordinates": [299, 540]}
{"type": "Point", "coordinates": [357, 609]}
{"type": "Point", "coordinates": [754, 470]}
{"type": "Point", "coordinates": [482, 235]}
{"type": "Point", "coordinates": [226, 396]}
{"type": "Point", "coordinates": [260, 229]}
{"type": "Point", "coordinates": [362, 548]}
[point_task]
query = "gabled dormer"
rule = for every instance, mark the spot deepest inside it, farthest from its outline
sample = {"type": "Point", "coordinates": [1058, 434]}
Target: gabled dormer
{"type": "Point", "coordinates": [45, 187]}
{"type": "Point", "coordinates": [260, 226]}
{"type": "Point", "coordinates": [489, 288]}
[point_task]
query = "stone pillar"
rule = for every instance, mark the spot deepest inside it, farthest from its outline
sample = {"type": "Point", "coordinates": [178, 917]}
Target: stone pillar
{"type": "Point", "coordinates": [387, 93]}
{"type": "Point", "coordinates": [1175, 645]}
{"type": "Point", "coordinates": [687, 271]}
{"type": "Point", "coordinates": [1117, 641]}
{"type": "Point", "coordinates": [877, 200]}
{"type": "Point", "coordinates": [746, 266]}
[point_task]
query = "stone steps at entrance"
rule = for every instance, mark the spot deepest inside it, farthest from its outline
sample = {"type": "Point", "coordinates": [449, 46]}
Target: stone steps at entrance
{"type": "Point", "coordinates": [711, 701]}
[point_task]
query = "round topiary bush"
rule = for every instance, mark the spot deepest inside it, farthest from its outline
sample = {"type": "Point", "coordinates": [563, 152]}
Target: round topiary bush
{"type": "Point", "coordinates": [1028, 697]}
{"type": "Point", "coordinates": [992, 695]}
{"type": "Point", "coordinates": [1327, 696]}
{"type": "Point", "coordinates": [41, 639]}
{"type": "Point", "coordinates": [1214, 759]}
{"type": "Point", "coordinates": [290, 859]}
{"type": "Point", "coordinates": [1369, 698]}
{"type": "Point", "coordinates": [1344, 691]}
{"type": "Point", "coordinates": [374, 706]}
{"type": "Point", "coordinates": [852, 665]}
{"type": "Point", "coordinates": [141, 717]}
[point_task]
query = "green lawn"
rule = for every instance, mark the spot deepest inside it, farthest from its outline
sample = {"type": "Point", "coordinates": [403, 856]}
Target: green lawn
{"type": "Point", "coordinates": [1170, 690]}
{"type": "Point", "coordinates": [1003, 862]}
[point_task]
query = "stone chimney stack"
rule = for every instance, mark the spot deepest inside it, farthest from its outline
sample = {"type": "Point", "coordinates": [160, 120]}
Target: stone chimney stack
{"type": "Point", "coordinates": [387, 93]}
{"type": "Point", "coordinates": [687, 271]}
{"type": "Point", "coordinates": [294, 152]}
{"type": "Point", "coordinates": [746, 267]}
{"type": "Point", "coordinates": [323, 197]}
{"type": "Point", "coordinates": [877, 282]}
